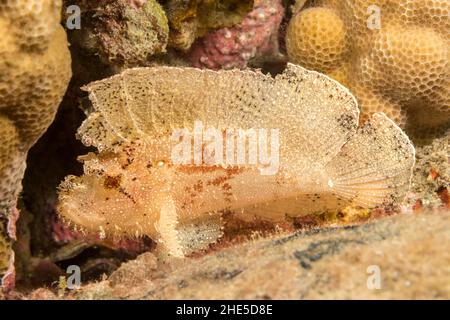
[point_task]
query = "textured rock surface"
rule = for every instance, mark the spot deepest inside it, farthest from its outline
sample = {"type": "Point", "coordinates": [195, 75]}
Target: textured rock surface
{"type": "Point", "coordinates": [400, 66]}
{"type": "Point", "coordinates": [234, 47]}
{"type": "Point", "coordinates": [6, 257]}
{"type": "Point", "coordinates": [124, 33]}
{"type": "Point", "coordinates": [34, 73]}
{"type": "Point", "coordinates": [431, 178]}
{"type": "Point", "coordinates": [194, 18]}
{"type": "Point", "coordinates": [411, 251]}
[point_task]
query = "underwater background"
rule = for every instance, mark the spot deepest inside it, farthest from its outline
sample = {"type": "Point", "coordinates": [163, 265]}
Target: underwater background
{"type": "Point", "coordinates": [392, 55]}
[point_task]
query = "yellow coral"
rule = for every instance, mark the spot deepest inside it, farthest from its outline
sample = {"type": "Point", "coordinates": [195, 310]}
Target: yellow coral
{"type": "Point", "coordinates": [34, 73]}
{"type": "Point", "coordinates": [400, 66]}
{"type": "Point", "coordinates": [5, 250]}
{"type": "Point", "coordinates": [329, 45]}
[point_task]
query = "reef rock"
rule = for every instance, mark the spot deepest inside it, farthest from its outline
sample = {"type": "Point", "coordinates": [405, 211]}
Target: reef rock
{"type": "Point", "coordinates": [194, 18]}
{"type": "Point", "coordinates": [34, 73]}
{"type": "Point", "coordinates": [394, 55]}
{"type": "Point", "coordinates": [400, 257]}
{"type": "Point", "coordinates": [135, 186]}
{"type": "Point", "coordinates": [124, 33]}
{"type": "Point", "coordinates": [234, 47]}
{"type": "Point", "coordinates": [431, 179]}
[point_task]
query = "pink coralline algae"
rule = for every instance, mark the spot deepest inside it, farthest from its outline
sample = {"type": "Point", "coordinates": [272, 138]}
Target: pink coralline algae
{"type": "Point", "coordinates": [234, 47]}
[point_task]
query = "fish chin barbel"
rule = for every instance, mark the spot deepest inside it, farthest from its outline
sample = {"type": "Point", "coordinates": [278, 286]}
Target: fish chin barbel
{"type": "Point", "coordinates": [131, 186]}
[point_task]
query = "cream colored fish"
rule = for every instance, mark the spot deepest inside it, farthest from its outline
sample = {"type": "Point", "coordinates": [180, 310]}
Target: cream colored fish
{"type": "Point", "coordinates": [133, 186]}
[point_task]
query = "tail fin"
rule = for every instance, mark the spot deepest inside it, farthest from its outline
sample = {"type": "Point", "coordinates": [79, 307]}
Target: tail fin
{"type": "Point", "coordinates": [375, 166]}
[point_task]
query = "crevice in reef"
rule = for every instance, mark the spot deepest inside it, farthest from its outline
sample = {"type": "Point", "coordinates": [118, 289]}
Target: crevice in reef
{"type": "Point", "coordinates": [45, 246]}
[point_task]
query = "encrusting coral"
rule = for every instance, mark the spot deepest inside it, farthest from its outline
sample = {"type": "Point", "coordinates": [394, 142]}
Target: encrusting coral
{"type": "Point", "coordinates": [136, 186]}
{"type": "Point", "coordinates": [235, 46]}
{"type": "Point", "coordinates": [6, 257]}
{"type": "Point", "coordinates": [122, 32]}
{"type": "Point", "coordinates": [394, 56]}
{"type": "Point", "coordinates": [34, 73]}
{"type": "Point", "coordinates": [194, 18]}
{"type": "Point", "coordinates": [431, 180]}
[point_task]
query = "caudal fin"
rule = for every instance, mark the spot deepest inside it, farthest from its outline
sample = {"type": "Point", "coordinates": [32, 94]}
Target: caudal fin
{"type": "Point", "coordinates": [375, 166]}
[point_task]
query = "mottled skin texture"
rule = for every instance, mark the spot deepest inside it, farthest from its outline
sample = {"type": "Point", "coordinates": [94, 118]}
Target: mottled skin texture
{"type": "Point", "coordinates": [34, 73]}
{"type": "Point", "coordinates": [401, 68]}
{"type": "Point", "coordinates": [131, 187]}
